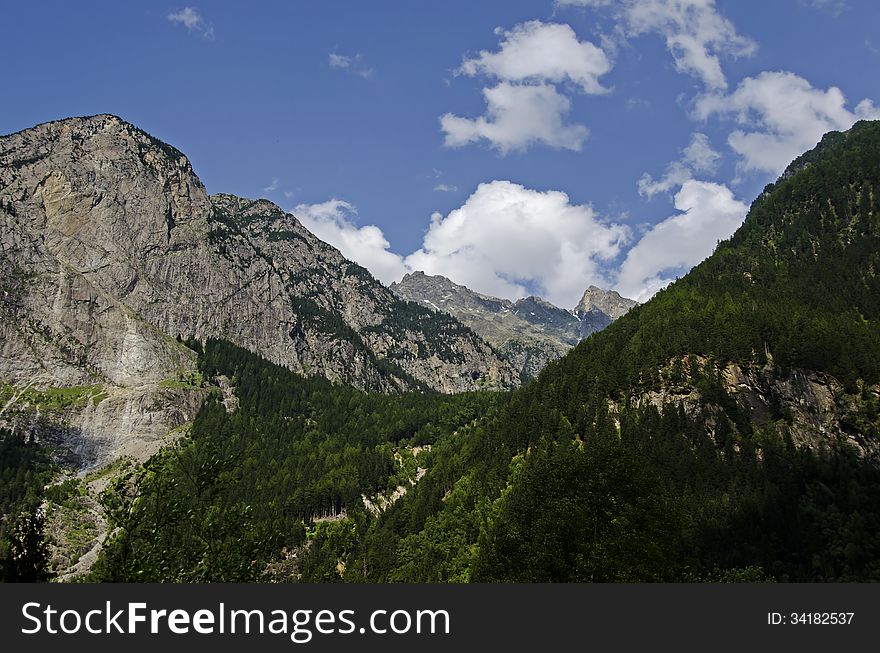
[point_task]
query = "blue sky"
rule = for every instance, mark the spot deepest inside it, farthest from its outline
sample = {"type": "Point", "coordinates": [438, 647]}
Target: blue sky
{"type": "Point", "coordinates": [517, 147]}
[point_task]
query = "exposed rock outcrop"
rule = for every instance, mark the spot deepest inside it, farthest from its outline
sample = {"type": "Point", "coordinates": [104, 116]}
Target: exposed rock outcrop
{"type": "Point", "coordinates": [608, 302]}
{"type": "Point", "coordinates": [529, 332]}
{"type": "Point", "coordinates": [810, 408]}
{"type": "Point", "coordinates": [115, 254]}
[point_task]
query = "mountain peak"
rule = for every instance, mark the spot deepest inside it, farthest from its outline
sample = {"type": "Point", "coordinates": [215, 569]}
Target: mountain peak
{"type": "Point", "coordinates": [608, 302]}
{"type": "Point", "coordinates": [529, 332]}
{"type": "Point", "coordinates": [124, 215]}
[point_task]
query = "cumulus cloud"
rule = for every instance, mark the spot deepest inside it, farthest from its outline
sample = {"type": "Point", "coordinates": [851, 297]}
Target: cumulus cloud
{"type": "Point", "coordinates": [505, 240]}
{"type": "Point", "coordinates": [509, 241]}
{"type": "Point", "coordinates": [354, 64]}
{"type": "Point", "coordinates": [781, 115]}
{"type": "Point", "coordinates": [193, 21]}
{"type": "Point", "coordinates": [698, 156]}
{"type": "Point", "coordinates": [525, 107]}
{"type": "Point", "coordinates": [696, 35]}
{"type": "Point", "coordinates": [517, 116]}
{"type": "Point", "coordinates": [707, 213]}
{"type": "Point", "coordinates": [333, 222]}
{"type": "Point", "coordinates": [542, 52]}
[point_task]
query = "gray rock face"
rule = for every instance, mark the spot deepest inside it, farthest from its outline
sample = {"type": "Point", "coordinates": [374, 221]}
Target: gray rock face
{"type": "Point", "coordinates": [112, 248]}
{"type": "Point", "coordinates": [529, 332]}
{"type": "Point", "coordinates": [608, 302]}
{"type": "Point", "coordinates": [811, 408]}
{"type": "Point", "coordinates": [118, 248]}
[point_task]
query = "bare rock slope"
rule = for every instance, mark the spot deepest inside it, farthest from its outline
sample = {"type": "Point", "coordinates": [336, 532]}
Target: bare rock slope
{"type": "Point", "coordinates": [529, 332]}
{"type": "Point", "coordinates": [114, 253]}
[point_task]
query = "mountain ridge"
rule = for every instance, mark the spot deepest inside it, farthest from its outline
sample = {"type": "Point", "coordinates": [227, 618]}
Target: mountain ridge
{"type": "Point", "coordinates": [743, 399]}
{"type": "Point", "coordinates": [530, 331]}
{"type": "Point", "coordinates": [118, 256]}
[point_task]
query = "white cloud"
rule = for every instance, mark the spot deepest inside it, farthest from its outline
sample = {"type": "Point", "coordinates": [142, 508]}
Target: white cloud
{"type": "Point", "coordinates": [332, 221]}
{"type": "Point", "coordinates": [445, 188]}
{"type": "Point", "coordinates": [193, 21]}
{"type": "Point", "coordinates": [708, 213]}
{"type": "Point", "coordinates": [676, 174]}
{"type": "Point", "coordinates": [272, 186]}
{"type": "Point", "coordinates": [585, 3]}
{"type": "Point", "coordinates": [782, 116]}
{"type": "Point", "coordinates": [525, 107]}
{"type": "Point", "coordinates": [517, 116]}
{"type": "Point", "coordinates": [354, 64]}
{"type": "Point", "coordinates": [696, 35]}
{"type": "Point", "coordinates": [836, 7]}
{"type": "Point", "coordinates": [339, 60]}
{"type": "Point", "coordinates": [508, 240]}
{"type": "Point", "coordinates": [542, 52]}
{"type": "Point", "coordinates": [698, 156]}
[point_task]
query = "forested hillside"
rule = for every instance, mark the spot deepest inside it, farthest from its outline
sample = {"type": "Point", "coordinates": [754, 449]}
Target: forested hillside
{"type": "Point", "coordinates": [646, 454]}
{"type": "Point", "coordinates": [25, 468]}
{"type": "Point", "coordinates": [222, 504]}
{"type": "Point", "coordinates": [727, 430]}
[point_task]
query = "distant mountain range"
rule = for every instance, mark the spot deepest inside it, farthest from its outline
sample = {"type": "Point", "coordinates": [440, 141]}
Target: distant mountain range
{"type": "Point", "coordinates": [529, 332]}
{"type": "Point", "coordinates": [117, 259]}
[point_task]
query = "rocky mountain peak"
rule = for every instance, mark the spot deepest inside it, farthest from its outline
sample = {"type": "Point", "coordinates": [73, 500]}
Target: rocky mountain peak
{"type": "Point", "coordinates": [113, 253]}
{"type": "Point", "coordinates": [608, 302]}
{"type": "Point", "coordinates": [529, 332]}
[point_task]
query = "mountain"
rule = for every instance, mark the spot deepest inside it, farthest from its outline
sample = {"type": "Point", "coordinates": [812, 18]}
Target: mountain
{"type": "Point", "coordinates": [726, 430]}
{"type": "Point", "coordinates": [116, 257]}
{"type": "Point", "coordinates": [608, 302]}
{"type": "Point", "coordinates": [529, 332]}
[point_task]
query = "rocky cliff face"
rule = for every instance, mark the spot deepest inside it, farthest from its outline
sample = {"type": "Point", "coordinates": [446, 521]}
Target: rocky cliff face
{"type": "Point", "coordinates": [529, 332]}
{"type": "Point", "coordinates": [812, 409]}
{"type": "Point", "coordinates": [608, 302]}
{"type": "Point", "coordinates": [112, 249]}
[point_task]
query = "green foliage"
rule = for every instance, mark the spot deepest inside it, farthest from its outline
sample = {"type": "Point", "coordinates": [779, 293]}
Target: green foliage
{"type": "Point", "coordinates": [219, 505]}
{"type": "Point", "coordinates": [797, 286]}
{"type": "Point", "coordinates": [25, 468]}
{"type": "Point", "coordinates": [571, 513]}
{"type": "Point", "coordinates": [54, 398]}
{"type": "Point", "coordinates": [570, 478]}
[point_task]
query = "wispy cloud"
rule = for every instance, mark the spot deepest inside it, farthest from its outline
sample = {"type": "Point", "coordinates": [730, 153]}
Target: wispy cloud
{"type": "Point", "coordinates": [445, 188]}
{"type": "Point", "coordinates": [272, 186]}
{"type": "Point", "coordinates": [836, 7]}
{"type": "Point", "coordinates": [354, 64]}
{"type": "Point", "coordinates": [193, 21]}
{"type": "Point", "coordinates": [698, 156]}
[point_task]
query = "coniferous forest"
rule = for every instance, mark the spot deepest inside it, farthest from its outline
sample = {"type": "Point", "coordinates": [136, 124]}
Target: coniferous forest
{"type": "Point", "coordinates": [683, 443]}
